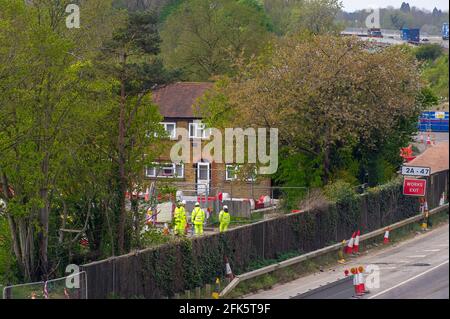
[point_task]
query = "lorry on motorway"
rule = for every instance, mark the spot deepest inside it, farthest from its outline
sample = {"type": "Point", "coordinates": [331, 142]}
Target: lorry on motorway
{"type": "Point", "coordinates": [410, 35]}
{"type": "Point", "coordinates": [445, 31]}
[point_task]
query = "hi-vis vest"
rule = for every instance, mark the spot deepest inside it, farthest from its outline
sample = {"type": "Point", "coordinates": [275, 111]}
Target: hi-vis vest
{"type": "Point", "coordinates": [180, 215]}
{"type": "Point", "coordinates": [198, 216]}
{"type": "Point", "coordinates": [224, 217]}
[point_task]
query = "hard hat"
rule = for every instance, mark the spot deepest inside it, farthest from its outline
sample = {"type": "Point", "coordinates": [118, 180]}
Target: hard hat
{"type": "Point", "coordinates": [183, 202]}
{"type": "Point", "coordinates": [225, 207]}
{"type": "Point", "coordinates": [197, 204]}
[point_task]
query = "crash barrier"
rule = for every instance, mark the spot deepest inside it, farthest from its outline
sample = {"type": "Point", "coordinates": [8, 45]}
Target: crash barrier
{"type": "Point", "coordinates": [73, 286]}
{"type": "Point", "coordinates": [293, 261]}
{"type": "Point", "coordinates": [174, 267]}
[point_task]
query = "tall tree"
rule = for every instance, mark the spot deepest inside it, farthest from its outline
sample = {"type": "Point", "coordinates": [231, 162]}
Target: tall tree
{"type": "Point", "coordinates": [323, 94]}
{"type": "Point", "coordinates": [43, 109]}
{"type": "Point", "coordinates": [131, 58]}
{"type": "Point", "coordinates": [316, 17]}
{"type": "Point", "coordinates": [203, 37]}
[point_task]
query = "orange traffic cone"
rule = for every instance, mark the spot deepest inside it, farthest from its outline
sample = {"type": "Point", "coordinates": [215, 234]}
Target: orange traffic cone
{"type": "Point", "coordinates": [166, 229]}
{"type": "Point", "coordinates": [386, 236]}
{"type": "Point", "coordinates": [356, 284]}
{"type": "Point", "coordinates": [361, 281]}
{"type": "Point", "coordinates": [428, 140]}
{"type": "Point", "coordinates": [349, 249]}
{"type": "Point", "coordinates": [356, 243]}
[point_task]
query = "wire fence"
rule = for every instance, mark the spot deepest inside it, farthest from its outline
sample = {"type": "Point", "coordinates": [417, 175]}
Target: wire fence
{"type": "Point", "coordinates": [73, 286]}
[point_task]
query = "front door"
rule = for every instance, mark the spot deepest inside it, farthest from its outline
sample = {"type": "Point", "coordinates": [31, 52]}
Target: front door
{"type": "Point", "coordinates": [203, 178]}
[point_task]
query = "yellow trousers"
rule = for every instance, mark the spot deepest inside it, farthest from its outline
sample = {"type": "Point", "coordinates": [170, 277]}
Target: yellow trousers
{"type": "Point", "coordinates": [198, 229]}
{"type": "Point", "coordinates": [180, 228]}
{"type": "Point", "coordinates": [223, 227]}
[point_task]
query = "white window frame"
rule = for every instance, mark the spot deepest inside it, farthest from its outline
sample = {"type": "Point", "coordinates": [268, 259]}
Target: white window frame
{"type": "Point", "coordinates": [172, 136]}
{"type": "Point", "coordinates": [194, 127]}
{"type": "Point", "coordinates": [158, 167]}
{"type": "Point", "coordinates": [252, 179]}
{"type": "Point", "coordinates": [227, 177]}
{"type": "Point", "coordinates": [153, 168]}
{"type": "Point", "coordinates": [236, 168]}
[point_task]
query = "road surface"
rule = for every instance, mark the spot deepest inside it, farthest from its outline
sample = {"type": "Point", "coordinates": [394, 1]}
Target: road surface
{"type": "Point", "coordinates": [414, 269]}
{"type": "Point", "coordinates": [422, 146]}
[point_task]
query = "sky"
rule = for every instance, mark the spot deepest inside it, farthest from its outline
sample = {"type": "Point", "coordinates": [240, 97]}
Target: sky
{"type": "Point", "coordinates": [352, 5]}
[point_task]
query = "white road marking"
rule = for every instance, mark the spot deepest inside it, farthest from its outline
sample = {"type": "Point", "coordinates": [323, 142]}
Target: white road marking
{"type": "Point", "coordinates": [410, 279]}
{"type": "Point", "coordinates": [416, 256]}
{"type": "Point", "coordinates": [432, 250]}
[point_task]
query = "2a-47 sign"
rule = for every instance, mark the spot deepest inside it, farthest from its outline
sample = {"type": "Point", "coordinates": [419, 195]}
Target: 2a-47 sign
{"type": "Point", "coordinates": [414, 187]}
{"type": "Point", "coordinates": [416, 171]}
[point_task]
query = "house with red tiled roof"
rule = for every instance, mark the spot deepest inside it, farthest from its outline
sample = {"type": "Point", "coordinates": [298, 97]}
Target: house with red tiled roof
{"type": "Point", "coordinates": [435, 157]}
{"type": "Point", "coordinates": [200, 176]}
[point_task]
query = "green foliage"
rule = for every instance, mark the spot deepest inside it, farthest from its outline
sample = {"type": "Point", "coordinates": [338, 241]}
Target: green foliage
{"type": "Point", "coordinates": [436, 74]}
{"type": "Point", "coordinates": [316, 17]}
{"type": "Point", "coordinates": [153, 237]}
{"type": "Point", "coordinates": [427, 98]}
{"type": "Point", "coordinates": [59, 118]}
{"type": "Point", "coordinates": [191, 275]}
{"type": "Point", "coordinates": [204, 37]}
{"type": "Point", "coordinates": [7, 260]}
{"type": "Point", "coordinates": [429, 52]}
{"type": "Point", "coordinates": [298, 16]}
{"type": "Point", "coordinates": [340, 191]}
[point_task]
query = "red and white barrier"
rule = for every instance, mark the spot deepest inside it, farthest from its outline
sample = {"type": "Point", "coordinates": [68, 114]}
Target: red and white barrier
{"type": "Point", "coordinates": [349, 248]}
{"type": "Point", "coordinates": [386, 236]}
{"type": "Point", "coordinates": [428, 139]}
{"type": "Point", "coordinates": [228, 271]}
{"type": "Point", "coordinates": [356, 243]}
{"type": "Point", "coordinates": [361, 281]}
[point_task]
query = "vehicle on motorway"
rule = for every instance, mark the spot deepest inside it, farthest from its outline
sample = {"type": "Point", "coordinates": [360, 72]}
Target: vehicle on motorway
{"type": "Point", "coordinates": [410, 35]}
{"type": "Point", "coordinates": [375, 33]}
{"type": "Point", "coordinates": [445, 31]}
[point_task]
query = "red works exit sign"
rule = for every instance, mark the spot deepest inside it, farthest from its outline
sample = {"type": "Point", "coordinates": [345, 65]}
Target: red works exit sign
{"type": "Point", "coordinates": [414, 187]}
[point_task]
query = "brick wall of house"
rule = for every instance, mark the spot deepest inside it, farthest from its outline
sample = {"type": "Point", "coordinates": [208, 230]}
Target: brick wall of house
{"type": "Point", "coordinates": [218, 176]}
